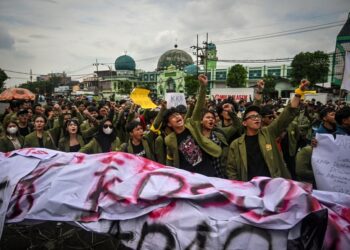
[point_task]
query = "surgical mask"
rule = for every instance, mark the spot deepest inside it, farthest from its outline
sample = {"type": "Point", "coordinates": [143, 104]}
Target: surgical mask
{"type": "Point", "coordinates": [12, 130]}
{"type": "Point", "coordinates": [137, 119]}
{"type": "Point", "coordinates": [107, 130]}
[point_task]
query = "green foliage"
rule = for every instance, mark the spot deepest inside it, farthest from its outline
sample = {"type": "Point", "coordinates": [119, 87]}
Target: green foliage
{"type": "Point", "coordinates": [191, 85]}
{"type": "Point", "coordinates": [3, 78]}
{"type": "Point", "coordinates": [41, 87]}
{"type": "Point", "coordinates": [237, 76]}
{"type": "Point", "coordinates": [125, 88]}
{"type": "Point", "coordinates": [313, 66]}
{"type": "Point", "coordinates": [270, 84]}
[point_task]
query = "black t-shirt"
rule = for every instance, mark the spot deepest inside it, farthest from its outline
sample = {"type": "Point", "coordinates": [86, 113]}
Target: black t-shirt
{"type": "Point", "coordinates": [192, 157]}
{"type": "Point", "coordinates": [138, 150]}
{"type": "Point", "coordinates": [41, 142]}
{"type": "Point", "coordinates": [74, 148]}
{"type": "Point", "coordinates": [24, 131]}
{"type": "Point", "coordinates": [255, 160]}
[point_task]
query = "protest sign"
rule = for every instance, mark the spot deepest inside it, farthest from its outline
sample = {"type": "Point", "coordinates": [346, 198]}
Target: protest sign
{"type": "Point", "coordinates": [331, 163]}
{"type": "Point", "coordinates": [163, 207]}
{"type": "Point", "coordinates": [175, 99]}
{"type": "Point", "coordinates": [140, 97]}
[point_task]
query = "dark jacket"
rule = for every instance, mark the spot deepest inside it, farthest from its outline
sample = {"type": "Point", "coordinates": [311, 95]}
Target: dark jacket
{"type": "Point", "coordinates": [6, 144]}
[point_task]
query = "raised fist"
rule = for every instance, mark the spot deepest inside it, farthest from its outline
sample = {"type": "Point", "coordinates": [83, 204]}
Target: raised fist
{"type": "Point", "coordinates": [203, 79]}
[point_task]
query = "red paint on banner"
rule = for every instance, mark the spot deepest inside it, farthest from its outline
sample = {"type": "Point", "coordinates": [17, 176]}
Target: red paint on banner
{"type": "Point", "coordinates": [79, 158]}
{"type": "Point", "coordinates": [26, 188]}
{"type": "Point", "coordinates": [160, 212]}
{"type": "Point", "coordinates": [182, 185]}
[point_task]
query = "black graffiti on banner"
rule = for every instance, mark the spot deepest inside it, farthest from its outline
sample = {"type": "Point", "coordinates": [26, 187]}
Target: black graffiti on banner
{"type": "Point", "coordinates": [157, 229]}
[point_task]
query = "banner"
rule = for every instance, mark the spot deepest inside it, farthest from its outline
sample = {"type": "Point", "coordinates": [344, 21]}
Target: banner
{"type": "Point", "coordinates": [346, 76]}
{"type": "Point", "coordinates": [175, 99]}
{"type": "Point", "coordinates": [160, 207]}
{"type": "Point", "coordinates": [331, 163]}
{"type": "Point", "coordinates": [140, 97]}
{"type": "Point", "coordinates": [237, 94]}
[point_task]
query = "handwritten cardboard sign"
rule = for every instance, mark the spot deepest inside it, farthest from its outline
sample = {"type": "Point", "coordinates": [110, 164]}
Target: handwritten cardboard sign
{"type": "Point", "coordinates": [175, 99]}
{"type": "Point", "coordinates": [331, 163]}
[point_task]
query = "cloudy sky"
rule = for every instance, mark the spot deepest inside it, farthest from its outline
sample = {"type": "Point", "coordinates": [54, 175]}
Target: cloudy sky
{"type": "Point", "coordinates": [69, 35]}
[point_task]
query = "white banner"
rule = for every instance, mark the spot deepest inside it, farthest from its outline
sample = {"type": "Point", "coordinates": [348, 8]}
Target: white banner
{"type": "Point", "coordinates": [119, 193]}
{"type": "Point", "coordinates": [331, 163]}
{"type": "Point", "coordinates": [237, 94]}
{"type": "Point", "coordinates": [175, 99]}
{"type": "Point", "coordinates": [346, 75]}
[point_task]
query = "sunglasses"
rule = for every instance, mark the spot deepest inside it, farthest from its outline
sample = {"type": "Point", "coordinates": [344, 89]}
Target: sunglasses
{"type": "Point", "coordinates": [107, 126]}
{"type": "Point", "coordinates": [253, 117]}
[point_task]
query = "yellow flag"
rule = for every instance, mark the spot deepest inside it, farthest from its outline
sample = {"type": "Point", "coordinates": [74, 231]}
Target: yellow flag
{"type": "Point", "coordinates": [140, 97]}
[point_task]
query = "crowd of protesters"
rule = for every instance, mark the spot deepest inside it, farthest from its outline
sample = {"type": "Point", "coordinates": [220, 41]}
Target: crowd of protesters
{"type": "Point", "coordinates": [217, 138]}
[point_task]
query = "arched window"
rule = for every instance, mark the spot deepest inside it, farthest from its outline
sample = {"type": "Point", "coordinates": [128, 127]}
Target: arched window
{"type": "Point", "coordinates": [171, 86]}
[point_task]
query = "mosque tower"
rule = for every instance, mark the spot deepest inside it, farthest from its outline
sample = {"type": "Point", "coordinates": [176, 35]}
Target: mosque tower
{"type": "Point", "coordinates": [342, 45]}
{"type": "Point", "coordinates": [212, 57]}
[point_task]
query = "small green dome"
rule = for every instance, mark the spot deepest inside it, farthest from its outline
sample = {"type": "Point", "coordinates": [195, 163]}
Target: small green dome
{"type": "Point", "coordinates": [211, 46]}
{"type": "Point", "coordinates": [125, 62]}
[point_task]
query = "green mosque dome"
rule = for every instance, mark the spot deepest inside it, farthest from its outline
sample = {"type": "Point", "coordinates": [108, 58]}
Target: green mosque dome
{"type": "Point", "coordinates": [191, 69]}
{"type": "Point", "coordinates": [211, 46]}
{"type": "Point", "coordinates": [125, 62]}
{"type": "Point", "coordinates": [179, 58]}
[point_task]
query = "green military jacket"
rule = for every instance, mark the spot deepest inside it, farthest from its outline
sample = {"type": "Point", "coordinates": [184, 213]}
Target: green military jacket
{"type": "Point", "coordinates": [127, 148]}
{"type": "Point", "coordinates": [160, 152]}
{"type": "Point", "coordinates": [93, 147]}
{"type": "Point", "coordinates": [193, 124]}
{"type": "Point", "coordinates": [49, 139]}
{"type": "Point", "coordinates": [237, 168]}
{"type": "Point", "coordinates": [63, 144]}
{"type": "Point", "coordinates": [293, 137]}
{"type": "Point", "coordinates": [303, 167]}
{"type": "Point", "coordinates": [6, 144]}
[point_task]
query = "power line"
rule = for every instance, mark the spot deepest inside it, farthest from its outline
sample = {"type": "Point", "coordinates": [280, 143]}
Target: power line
{"type": "Point", "coordinates": [282, 33]}
{"type": "Point", "coordinates": [17, 72]}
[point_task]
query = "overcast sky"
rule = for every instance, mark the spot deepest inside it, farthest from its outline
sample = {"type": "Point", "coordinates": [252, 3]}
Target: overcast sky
{"type": "Point", "coordinates": [69, 35]}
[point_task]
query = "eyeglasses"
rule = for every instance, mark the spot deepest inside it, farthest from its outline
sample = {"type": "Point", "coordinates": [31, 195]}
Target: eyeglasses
{"type": "Point", "coordinates": [253, 117]}
{"type": "Point", "coordinates": [270, 117]}
{"type": "Point", "coordinates": [107, 126]}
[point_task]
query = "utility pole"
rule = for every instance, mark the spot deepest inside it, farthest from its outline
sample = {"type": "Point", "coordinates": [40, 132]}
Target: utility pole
{"type": "Point", "coordinates": [96, 64]}
{"type": "Point", "coordinates": [201, 54]}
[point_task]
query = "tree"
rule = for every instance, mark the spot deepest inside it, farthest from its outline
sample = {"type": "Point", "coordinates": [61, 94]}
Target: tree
{"type": "Point", "coordinates": [125, 88]}
{"type": "Point", "coordinates": [313, 66]}
{"type": "Point", "coordinates": [237, 76]}
{"type": "Point", "coordinates": [270, 84]}
{"type": "Point", "coordinates": [3, 78]}
{"type": "Point", "coordinates": [191, 85]}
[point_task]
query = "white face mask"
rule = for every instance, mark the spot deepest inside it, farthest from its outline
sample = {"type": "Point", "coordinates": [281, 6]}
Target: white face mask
{"type": "Point", "coordinates": [107, 131]}
{"type": "Point", "coordinates": [137, 119]}
{"type": "Point", "coordinates": [12, 130]}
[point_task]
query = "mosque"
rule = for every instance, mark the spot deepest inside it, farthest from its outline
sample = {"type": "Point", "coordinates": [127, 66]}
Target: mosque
{"type": "Point", "coordinates": [174, 64]}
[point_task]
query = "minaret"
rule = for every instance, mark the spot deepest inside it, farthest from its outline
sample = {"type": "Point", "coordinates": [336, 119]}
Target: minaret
{"type": "Point", "coordinates": [212, 58]}
{"type": "Point", "coordinates": [342, 45]}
